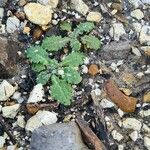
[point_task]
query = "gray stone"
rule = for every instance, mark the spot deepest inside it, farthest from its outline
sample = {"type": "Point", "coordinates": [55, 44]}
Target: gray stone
{"type": "Point", "coordinates": [12, 24]}
{"type": "Point", "coordinates": [116, 50]}
{"type": "Point", "coordinates": [8, 57]}
{"type": "Point", "coordinates": [65, 136]}
{"type": "Point", "coordinates": [1, 13]}
{"type": "Point", "coordinates": [51, 3]}
{"type": "Point", "coordinates": [146, 1]}
{"type": "Point", "coordinates": [3, 3]}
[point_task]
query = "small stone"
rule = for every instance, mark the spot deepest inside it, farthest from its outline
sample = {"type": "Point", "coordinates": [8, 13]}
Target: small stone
{"type": "Point", "coordinates": [106, 103]}
{"type": "Point", "coordinates": [140, 75]}
{"type": "Point", "coordinates": [16, 95]}
{"type": "Point", "coordinates": [135, 3]}
{"type": "Point", "coordinates": [2, 142]}
{"type": "Point", "coordinates": [3, 3]}
{"type": "Point", "coordinates": [22, 2]}
{"type": "Point", "coordinates": [60, 136]}
{"type": "Point", "coordinates": [21, 121]}
{"type": "Point", "coordinates": [84, 69]}
{"type": "Point", "coordinates": [126, 91]}
{"type": "Point", "coordinates": [128, 78]}
{"type": "Point", "coordinates": [41, 118]}
{"type": "Point", "coordinates": [51, 3]}
{"type": "Point", "coordinates": [137, 26]}
{"type": "Point", "coordinates": [137, 13]}
{"type": "Point", "coordinates": [1, 13]}
{"type": "Point", "coordinates": [120, 112]}
{"type": "Point", "coordinates": [38, 14]}
{"type": "Point", "coordinates": [26, 30]}
{"type": "Point", "coordinates": [117, 30]}
{"type": "Point", "coordinates": [132, 123]}
{"type": "Point", "coordinates": [116, 135]}
{"type": "Point", "coordinates": [145, 128]}
{"type": "Point", "coordinates": [6, 90]}
{"type": "Point", "coordinates": [147, 142]}
{"type": "Point", "coordinates": [10, 111]}
{"type": "Point", "coordinates": [134, 135]}
{"type": "Point", "coordinates": [12, 24]}
{"type": "Point", "coordinates": [79, 6]}
{"type": "Point", "coordinates": [145, 35]}
{"type": "Point", "coordinates": [136, 51]}
{"type": "Point", "coordinates": [145, 113]}
{"type": "Point", "coordinates": [93, 70]}
{"type": "Point", "coordinates": [120, 147]}
{"type": "Point", "coordinates": [94, 17]}
{"type": "Point", "coordinates": [146, 1]}
{"type": "Point", "coordinates": [146, 98]}
{"type": "Point", "coordinates": [36, 94]}
{"type": "Point", "coordinates": [12, 147]}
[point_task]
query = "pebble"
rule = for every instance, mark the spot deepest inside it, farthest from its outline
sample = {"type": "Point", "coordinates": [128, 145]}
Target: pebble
{"type": "Point", "coordinates": [120, 147]}
{"type": "Point", "coordinates": [59, 136]}
{"type": "Point", "coordinates": [145, 128]}
{"type": "Point", "coordinates": [137, 13]}
{"type": "Point", "coordinates": [84, 69]}
{"type": "Point", "coordinates": [134, 135]}
{"type": "Point", "coordinates": [94, 17]}
{"type": "Point", "coordinates": [79, 6]}
{"type": "Point", "coordinates": [1, 13]}
{"type": "Point", "coordinates": [6, 90]}
{"type": "Point", "coordinates": [140, 75]}
{"type": "Point", "coordinates": [137, 26]}
{"type": "Point", "coordinates": [145, 35]}
{"type": "Point", "coordinates": [147, 142]}
{"type": "Point", "coordinates": [10, 111]}
{"type": "Point", "coordinates": [116, 31]}
{"type": "Point", "coordinates": [132, 123]}
{"type": "Point", "coordinates": [135, 3]}
{"type": "Point", "coordinates": [120, 112]}
{"type": "Point", "coordinates": [41, 118]}
{"type": "Point", "coordinates": [116, 135]}
{"type": "Point", "coordinates": [145, 113]}
{"type": "Point", "coordinates": [146, 97]}
{"type": "Point", "coordinates": [146, 1]}
{"type": "Point", "coordinates": [12, 24]}
{"type": "Point", "coordinates": [2, 141]}
{"type": "Point", "coordinates": [21, 121]}
{"type": "Point", "coordinates": [38, 14]}
{"type": "Point", "coordinates": [51, 3]}
{"type": "Point", "coordinates": [12, 147]}
{"type": "Point", "coordinates": [106, 103]}
{"type": "Point", "coordinates": [36, 94]}
{"type": "Point", "coordinates": [136, 51]}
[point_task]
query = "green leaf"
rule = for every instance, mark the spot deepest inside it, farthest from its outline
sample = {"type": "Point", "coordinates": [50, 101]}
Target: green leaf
{"type": "Point", "coordinates": [91, 42]}
{"type": "Point", "coordinates": [38, 67]}
{"type": "Point", "coordinates": [43, 77]}
{"type": "Point", "coordinates": [75, 45]}
{"type": "Point", "coordinates": [53, 64]}
{"type": "Point", "coordinates": [71, 75]}
{"type": "Point", "coordinates": [37, 54]}
{"type": "Point", "coordinates": [66, 26]}
{"type": "Point", "coordinates": [74, 59]}
{"type": "Point", "coordinates": [54, 43]}
{"type": "Point", "coordinates": [61, 90]}
{"type": "Point", "coordinates": [81, 28]}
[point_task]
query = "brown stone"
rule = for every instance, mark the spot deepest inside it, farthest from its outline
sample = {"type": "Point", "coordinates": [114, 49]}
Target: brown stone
{"type": "Point", "coordinates": [146, 97]}
{"type": "Point", "coordinates": [125, 103]}
{"type": "Point", "coordinates": [93, 69]}
{"type": "Point", "coordinates": [8, 57]}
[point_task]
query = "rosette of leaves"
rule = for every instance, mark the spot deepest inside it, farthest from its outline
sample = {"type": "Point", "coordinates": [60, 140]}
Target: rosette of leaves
{"type": "Point", "coordinates": [62, 75]}
{"type": "Point", "coordinates": [76, 37]}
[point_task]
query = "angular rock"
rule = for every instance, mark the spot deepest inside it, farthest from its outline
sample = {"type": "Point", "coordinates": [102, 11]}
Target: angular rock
{"type": "Point", "coordinates": [144, 35]}
{"type": "Point", "coordinates": [10, 111]}
{"type": "Point", "coordinates": [94, 16]}
{"type": "Point", "coordinates": [38, 14]}
{"type": "Point", "coordinates": [117, 30]}
{"type": "Point", "coordinates": [132, 123]}
{"type": "Point", "coordinates": [8, 57]}
{"type": "Point", "coordinates": [12, 24]}
{"type": "Point", "coordinates": [125, 103]}
{"type": "Point", "coordinates": [41, 118]}
{"type": "Point", "coordinates": [36, 94]}
{"type": "Point", "coordinates": [116, 135]}
{"type": "Point", "coordinates": [134, 135]}
{"type": "Point", "coordinates": [146, 97]}
{"type": "Point", "coordinates": [79, 6]}
{"type": "Point", "coordinates": [51, 3]}
{"type": "Point", "coordinates": [137, 13]}
{"type": "Point", "coordinates": [6, 90]}
{"type": "Point", "coordinates": [116, 50]}
{"type": "Point", "coordinates": [65, 136]}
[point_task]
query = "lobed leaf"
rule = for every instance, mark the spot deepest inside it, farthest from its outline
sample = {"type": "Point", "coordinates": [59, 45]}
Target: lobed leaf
{"type": "Point", "coordinates": [54, 43]}
{"type": "Point", "coordinates": [66, 26]}
{"type": "Point", "coordinates": [74, 59]}
{"type": "Point", "coordinates": [91, 42]}
{"type": "Point", "coordinates": [71, 75]}
{"type": "Point", "coordinates": [38, 67]}
{"type": "Point", "coordinates": [75, 45]}
{"type": "Point", "coordinates": [37, 54]}
{"type": "Point", "coordinates": [61, 90]}
{"type": "Point", "coordinates": [43, 77]}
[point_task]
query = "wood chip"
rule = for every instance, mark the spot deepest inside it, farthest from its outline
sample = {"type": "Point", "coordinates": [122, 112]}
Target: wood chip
{"type": "Point", "coordinates": [125, 103]}
{"type": "Point", "coordinates": [89, 135]}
